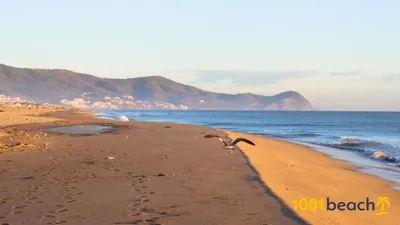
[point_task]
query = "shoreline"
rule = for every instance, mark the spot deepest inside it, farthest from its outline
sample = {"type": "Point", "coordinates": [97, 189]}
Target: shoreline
{"type": "Point", "coordinates": [140, 173]}
{"type": "Point", "coordinates": [364, 164]}
{"type": "Point", "coordinates": [273, 174]}
{"type": "Point", "coordinates": [351, 165]}
{"type": "Point", "coordinates": [306, 173]}
{"type": "Point", "coordinates": [354, 159]}
{"type": "Point", "coordinates": [348, 157]}
{"type": "Point", "coordinates": [346, 166]}
{"type": "Point", "coordinates": [367, 147]}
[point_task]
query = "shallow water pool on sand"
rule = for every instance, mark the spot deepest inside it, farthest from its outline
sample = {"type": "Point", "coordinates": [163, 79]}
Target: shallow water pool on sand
{"type": "Point", "coordinates": [81, 129]}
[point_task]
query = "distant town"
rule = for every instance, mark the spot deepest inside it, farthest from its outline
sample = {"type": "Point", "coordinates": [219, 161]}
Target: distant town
{"type": "Point", "coordinates": [109, 102]}
{"type": "Point", "coordinates": [7, 100]}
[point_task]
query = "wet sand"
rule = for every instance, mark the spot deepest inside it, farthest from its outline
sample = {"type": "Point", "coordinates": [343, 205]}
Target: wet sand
{"type": "Point", "coordinates": [139, 173]}
{"type": "Point", "coordinates": [294, 172]}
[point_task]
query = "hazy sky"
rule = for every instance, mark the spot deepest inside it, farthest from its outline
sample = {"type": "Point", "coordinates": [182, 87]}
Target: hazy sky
{"type": "Point", "coordinates": [342, 54]}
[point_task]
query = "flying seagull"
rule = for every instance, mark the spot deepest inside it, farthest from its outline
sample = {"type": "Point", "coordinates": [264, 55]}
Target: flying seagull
{"type": "Point", "coordinates": [232, 145]}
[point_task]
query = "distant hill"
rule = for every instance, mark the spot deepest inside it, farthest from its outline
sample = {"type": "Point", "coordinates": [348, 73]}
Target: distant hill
{"type": "Point", "coordinates": [52, 85]}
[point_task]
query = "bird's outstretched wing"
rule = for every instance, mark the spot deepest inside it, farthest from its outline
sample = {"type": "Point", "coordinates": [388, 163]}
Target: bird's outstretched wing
{"type": "Point", "coordinates": [211, 136]}
{"type": "Point", "coordinates": [244, 140]}
{"type": "Point", "coordinates": [214, 135]}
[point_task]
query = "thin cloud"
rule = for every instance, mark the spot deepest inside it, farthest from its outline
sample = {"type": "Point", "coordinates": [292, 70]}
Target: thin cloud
{"type": "Point", "coordinates": [249, 77]}
{"type": "Point", "coordinates": [391, 77]}
{"type": "Point", "coordinates": [347, 73]}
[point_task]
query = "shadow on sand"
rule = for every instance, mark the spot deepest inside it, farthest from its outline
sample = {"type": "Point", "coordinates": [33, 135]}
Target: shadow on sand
{"type": "Point", "coordinates": [286, 211]}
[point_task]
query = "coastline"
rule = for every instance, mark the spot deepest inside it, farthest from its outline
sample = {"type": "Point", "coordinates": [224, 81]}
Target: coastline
{"type": "Point", "coordinates": [360, 163]}
{"type": "Point", "coordinates": [353, 148]}
{"type": "Point", "coordinates": [347, 165]}
{"type": "Point", "coordinates": [294, 171]}
{"type": "Point", "coordinates": [140, 173]}
{"type": "Point", "coordinates": [283, 172]}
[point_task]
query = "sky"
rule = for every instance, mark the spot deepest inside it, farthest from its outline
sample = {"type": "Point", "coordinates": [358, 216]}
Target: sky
{"type": "Point", "coordinates": [341, 55]}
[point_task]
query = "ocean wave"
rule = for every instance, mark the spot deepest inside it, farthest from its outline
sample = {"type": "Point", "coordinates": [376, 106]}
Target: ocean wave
{"type": "Point", "coordinates": [150, 113]}
{"type": "Point", "coordinates": [294, 135]}
{"type": "Point", "coordinates": [354, 141]}
{"type": "Point", "coordinates": [221, 124]}
{"type": "Point", "coordinates": [135, 114]}
{"type": "Point", "coordinates": [360, 147]}
{"type": "Point", "coordinates": [130, 114]}
{"type": "Point", "coordinates": [359, 143]}
{"type": "Point", "coordinates": [381, 155]}
{"type": "Point", "coordinates": [101, 113]}
{"type": "Point", "coordinates": [104, 116]}
{"type": "Point", "coordinates": [283, 136]}
{"type": "Point", "coordinates": [258, 124]}
{"type": "Point", "coordinates": [348, 138]}
{"type": "Point", "coordinates": [359, 138]}
{"type": "Point", "coordinates": [112, 115]}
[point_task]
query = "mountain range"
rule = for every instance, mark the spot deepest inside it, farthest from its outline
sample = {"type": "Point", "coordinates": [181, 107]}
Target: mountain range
{"type": "Point", "coordinates": [52, 85]}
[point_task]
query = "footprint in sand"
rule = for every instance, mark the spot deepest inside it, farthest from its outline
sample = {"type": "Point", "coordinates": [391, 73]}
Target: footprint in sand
{"type": "Point", "coordinates": [142, 221]}
{"type": "Point", "coordinates": [69, 199]}
{"type": "Point", "coordinates": [48, 216]}
{"type": "Point", "coordinates": [147, 210]}
{"type": "Point", "coordinates": [36, 202]}
{"type": "Point", "coordinates": [134, 222]}
{"type": "Point", "coordinates": [70, 188]}
{"type": "Point", "coordinates": [18, 207]}
{"type": "Point", "coordinates": [137, 214]}
{"type": "Point", "coordinates": [58, 211]}
{"type": "Point", "coordinates": [58, 222]}
{"type": "Point", "coordinates": [134, 204]}
{"type": "Point", "coordinates": [4, 200]}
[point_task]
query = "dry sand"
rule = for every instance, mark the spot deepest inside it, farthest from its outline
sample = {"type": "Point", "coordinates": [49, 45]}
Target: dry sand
{"type": "Point", "coordinates": [141, 173]}
{"type": "Point", "coordinates": [294, 172]}
{"type": "Point", "coordinates": [13, 116]}
{"type": "Point", "coordinates": [26, 115]}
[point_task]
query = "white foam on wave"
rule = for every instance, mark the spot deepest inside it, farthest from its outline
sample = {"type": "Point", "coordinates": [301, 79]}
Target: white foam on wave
{"type": "Point", "coordinates": [378, 154]}
{"type": "Point", "coordinates": [123, 118]}
{"type": "Point", "coordinates": [349, 138]}
{"type": "Point", "coordinates": [104, 116]}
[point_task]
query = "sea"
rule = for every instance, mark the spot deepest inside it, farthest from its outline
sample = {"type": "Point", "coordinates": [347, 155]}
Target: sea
{"type": "Point", "coordinates": [370, 140]}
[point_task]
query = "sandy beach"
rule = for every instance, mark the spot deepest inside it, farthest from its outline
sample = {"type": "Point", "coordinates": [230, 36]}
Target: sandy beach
{"type": "Point", "coordinates": [10, 116]}
{"type": "Point", "coordinates": [294, 172]}
{"type": "Point", "coordinates": [139, 173]}
{"type": "Point", "coordinates": [164, 173]}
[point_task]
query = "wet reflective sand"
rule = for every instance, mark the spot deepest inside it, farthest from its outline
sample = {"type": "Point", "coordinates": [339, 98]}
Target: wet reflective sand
{"type": "Point", "coordinates": [81, 129]}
